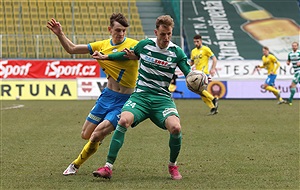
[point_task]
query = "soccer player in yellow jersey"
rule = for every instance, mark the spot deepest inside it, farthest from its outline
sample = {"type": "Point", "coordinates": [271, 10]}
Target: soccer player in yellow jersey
{"type": "Point", "coordinates": [200, 56]}
{"type": "Point", "coordinates": [121, 76]}
{"type": "Point", "coordinates": [271, 64]}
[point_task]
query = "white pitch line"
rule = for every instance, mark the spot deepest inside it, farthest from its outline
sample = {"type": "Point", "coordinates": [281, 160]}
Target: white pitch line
{"type": "Point", "coordinates": [13, 107]}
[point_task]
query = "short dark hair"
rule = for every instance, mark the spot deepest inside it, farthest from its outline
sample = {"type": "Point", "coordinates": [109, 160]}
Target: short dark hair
{"type": "Point", "coordinates": [120, 18]}
{"type": "Point", "coordinates": [198, 36]}
{"type": "Point", "coordinates": [266, 48]}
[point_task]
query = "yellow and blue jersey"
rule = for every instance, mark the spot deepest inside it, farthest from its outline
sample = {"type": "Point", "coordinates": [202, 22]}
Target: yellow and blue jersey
{"type": "Point", "coordinates": [201, 58]}
{"type": "Point", "coordinates": [270, 63]}
{"type": "Point", "coordinates": [124, 72]}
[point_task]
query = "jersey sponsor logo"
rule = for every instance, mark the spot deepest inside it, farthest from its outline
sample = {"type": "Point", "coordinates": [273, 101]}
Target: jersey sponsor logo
{"type": "Point", "coordinates": [57, 70]}
{"type": "Point", "coordinates": [156, 61]}
{"type": "Point", "coordinates": [38, 89]}
{"type": "Point", "coordinates": [17, 70]}
{"type": "Point", "coordinates": [48, 69]}
{"type": "Point", "coordinates": [86, 86]}
{"type": "Point", "coordinates": [169, 110]}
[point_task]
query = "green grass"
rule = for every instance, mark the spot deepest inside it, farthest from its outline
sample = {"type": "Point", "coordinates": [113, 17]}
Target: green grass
{"type": "Point", "coordinates": [250, 144]}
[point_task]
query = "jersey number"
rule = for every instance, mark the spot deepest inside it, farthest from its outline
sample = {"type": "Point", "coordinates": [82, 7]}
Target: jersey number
{"type": "Point", "coordinates": [130, 104]}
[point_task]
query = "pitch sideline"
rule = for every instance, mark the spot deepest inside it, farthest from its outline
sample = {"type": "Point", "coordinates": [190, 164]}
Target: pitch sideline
{"type": "Point", "coordinates": [13, 107]}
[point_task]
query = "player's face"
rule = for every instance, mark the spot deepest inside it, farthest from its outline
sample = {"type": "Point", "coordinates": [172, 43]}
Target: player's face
{"type": "Point", "coordinates": [198, 43]}
{"type": "Point", "coordinates": [164, 35]}
{"type": "Point", "coordinates": [265, 52]}
{"type": "Point", "coordinates": [295, 46]}
{"type": "Point", "coordinates": [117, 32]}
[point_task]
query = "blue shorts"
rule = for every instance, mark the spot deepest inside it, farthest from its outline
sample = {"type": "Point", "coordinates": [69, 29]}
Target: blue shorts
{"type": "Point", "coordinates": [108, 107]}
{"type": "Point", "coordinates": [271, 80]}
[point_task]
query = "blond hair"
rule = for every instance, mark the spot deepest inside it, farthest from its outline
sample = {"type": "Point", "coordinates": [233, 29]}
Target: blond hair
{"type": "Point", "coordinates": [165, 20]}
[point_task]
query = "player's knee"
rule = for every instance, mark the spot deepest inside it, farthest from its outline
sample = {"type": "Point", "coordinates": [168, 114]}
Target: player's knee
{"type": "Point", "coordinates": [124, 122]}
{"type": "Point", "coordinates": [84, 135]}
{"type": "Point", "coordinates": [175, 129]}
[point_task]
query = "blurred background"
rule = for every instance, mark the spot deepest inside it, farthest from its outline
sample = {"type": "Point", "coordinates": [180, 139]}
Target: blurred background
{"type": "Point", "coordinates": [235, 30]}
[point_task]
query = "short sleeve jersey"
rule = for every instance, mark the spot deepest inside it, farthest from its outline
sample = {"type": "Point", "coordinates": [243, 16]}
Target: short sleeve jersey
{"type": "Point", "coordinates": [124, 72]}
{"type": "Point", "coordinates": [201, 58]}
{"type": "Point", "coordinates": [157, 66]}
{"type": "Point", "coordinates": [294, 58]}
{"type": "Point", "coordinates": [270, 62]}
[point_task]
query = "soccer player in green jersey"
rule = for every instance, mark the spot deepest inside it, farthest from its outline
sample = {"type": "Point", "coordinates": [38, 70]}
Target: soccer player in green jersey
{"type": "Point", "coordinates": [294, 58]}
{"type": "Point", "coordinates": [151, 99]}
{"type": "Point", "coordinates": [271, 64]}
{"type": "Point", "coordinates": [200, 56]}
{"type": "Point", "coordinates": [121, 76]}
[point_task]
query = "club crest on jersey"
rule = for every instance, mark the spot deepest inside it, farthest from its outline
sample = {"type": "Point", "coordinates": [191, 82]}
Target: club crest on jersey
{"type": "Point", "coordinates": [115, 50]}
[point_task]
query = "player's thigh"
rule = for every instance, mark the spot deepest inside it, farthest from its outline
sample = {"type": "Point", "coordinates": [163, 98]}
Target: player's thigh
{"type": "Point", "coordinates": [161, 110]}
{"type": "Point", "coordinates": [113, 115]}
{"type": "Point", "coordinates": [270, 81]}
{"type": "Point", "coordinates": [296, 79]}
{"type": "Point", "coordinates": [106, 109]}
{"type": "Point", "coordinates": [139, 107]}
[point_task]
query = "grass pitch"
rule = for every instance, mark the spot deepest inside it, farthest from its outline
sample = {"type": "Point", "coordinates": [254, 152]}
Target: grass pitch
{"type": "Point", "coordinates": [250, 144]}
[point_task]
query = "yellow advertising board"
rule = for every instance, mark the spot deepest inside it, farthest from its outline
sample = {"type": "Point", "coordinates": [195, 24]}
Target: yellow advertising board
{"type": "Point", "coordinates": [38, 89]}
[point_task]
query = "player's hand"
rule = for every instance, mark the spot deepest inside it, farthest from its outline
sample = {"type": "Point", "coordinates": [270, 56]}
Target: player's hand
{"type": "Point", "coordinates": [298, 64]}
{"type": "Point", "coordinates": [54, 26]}
{"type": "Point", "coordinates": [212, 72]}
{"type": "Point", "coordinates": [130, 54]}
{"type": "Point", "coordinates": [99, 56]}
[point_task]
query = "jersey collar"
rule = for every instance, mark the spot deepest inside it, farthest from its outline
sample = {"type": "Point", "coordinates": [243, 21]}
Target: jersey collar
{"type": "Point", "coordinates": [111, 42]}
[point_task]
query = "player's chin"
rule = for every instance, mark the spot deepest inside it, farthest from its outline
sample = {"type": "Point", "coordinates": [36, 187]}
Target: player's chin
{"type": "Point", "coordinates": [120, 39]}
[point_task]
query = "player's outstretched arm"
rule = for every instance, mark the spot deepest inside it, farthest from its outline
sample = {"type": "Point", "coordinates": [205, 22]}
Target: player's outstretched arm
{"type": "Point", "coordinates": [67, 44]}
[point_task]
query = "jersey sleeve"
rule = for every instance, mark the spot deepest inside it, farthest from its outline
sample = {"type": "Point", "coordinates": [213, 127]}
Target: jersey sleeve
{"type": "Point", "coordinates": [95, 46]}
{"type": "Point", "coordinates": [183, 62]}
{"type": "Point", "coordinates": [289, 57]}
{"type": "Point", "coordinates": [209, 52]}
{"type": "Point", "coordinates": [117, 56]}
{"type": "Point", "coordinates": [139, 47]}
{"type": "Point", "coordinates": [276, 63]}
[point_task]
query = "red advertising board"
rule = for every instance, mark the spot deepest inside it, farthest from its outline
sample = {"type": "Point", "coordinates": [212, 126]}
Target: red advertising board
{"type": "Point", "coordinates": [63, 69]}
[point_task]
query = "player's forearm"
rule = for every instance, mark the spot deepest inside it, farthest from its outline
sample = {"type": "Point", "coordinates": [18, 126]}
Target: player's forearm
{"type": "Point", "coordinates": [276, 67]}
{"type": "Point", "coordinates": [214, 64]}
{"type": "Point", "coordinates": [66, 43]}
{"type": "Point", "coordinates": [185, 68]}
{"type": "Point", "coordinates": [117, 56]}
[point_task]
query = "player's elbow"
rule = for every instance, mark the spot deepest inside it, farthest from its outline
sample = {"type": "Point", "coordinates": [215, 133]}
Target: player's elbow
{"type": "Point", "coordinates": [71, 50]}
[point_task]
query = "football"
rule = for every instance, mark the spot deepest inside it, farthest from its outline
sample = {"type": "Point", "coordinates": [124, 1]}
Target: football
{"type": "Point", "coordinates": [196, 81]}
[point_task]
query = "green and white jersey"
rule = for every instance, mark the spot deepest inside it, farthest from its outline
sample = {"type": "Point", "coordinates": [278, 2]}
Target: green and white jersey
{"type": "Point", "coordinates": [157, 66]}
{"type": "Point", "coordinates": [294, 58]}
